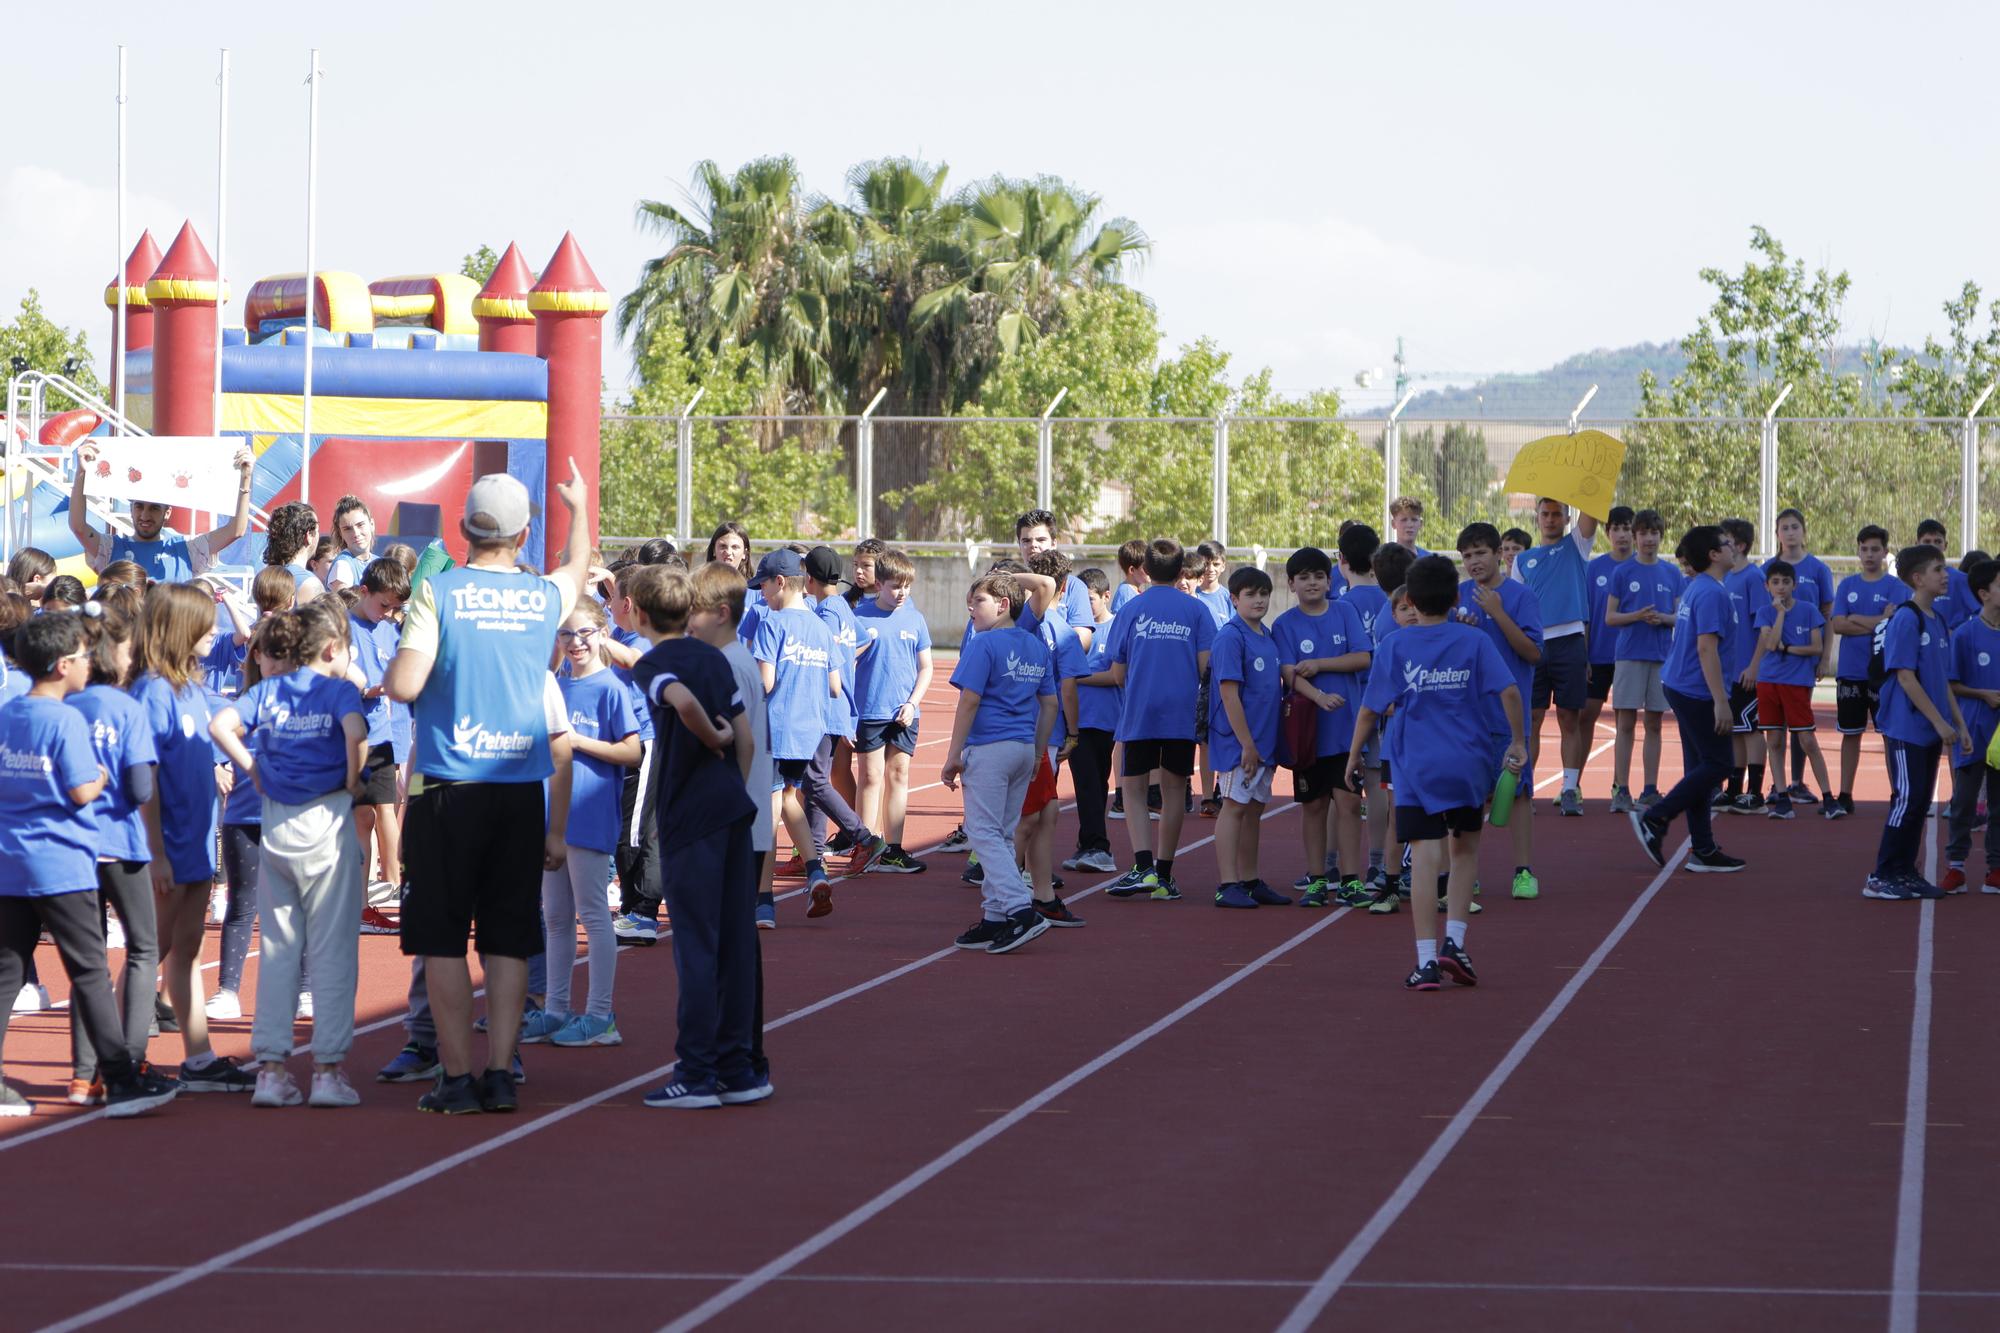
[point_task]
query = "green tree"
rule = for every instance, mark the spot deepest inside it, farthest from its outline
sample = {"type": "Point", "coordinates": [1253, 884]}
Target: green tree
{"type": "Point", "coordinates": [39, 343]}
{"type": "Point", "coordinates": [1944, 379]}
{"type": "Point", "coordinates": [479, 265]}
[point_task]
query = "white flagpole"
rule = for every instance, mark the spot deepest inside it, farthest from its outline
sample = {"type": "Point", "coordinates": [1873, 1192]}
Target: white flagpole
{"type": "Point", "coordinates": [221, 235]}
{"type": "Point", "coordinates": [118, 370]}
{"type": "Point", "coordinates": [312, 242]}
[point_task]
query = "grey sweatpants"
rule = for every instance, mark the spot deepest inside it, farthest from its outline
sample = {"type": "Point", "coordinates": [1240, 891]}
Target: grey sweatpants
{"type": "Point", "coordinates": [995, 784]}
{"type": "Point", "coordinates": [309, 897]}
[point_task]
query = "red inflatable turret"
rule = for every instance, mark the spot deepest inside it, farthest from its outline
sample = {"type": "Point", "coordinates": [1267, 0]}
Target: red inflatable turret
{"type": "Point", "coordinates": [569, 305]}
{"type": "Point", "coordinates": [183, 291]}
{"type": "Point", "coordinates": [139, 266]}
{"type": "Point", "coordinates": [505, 322]}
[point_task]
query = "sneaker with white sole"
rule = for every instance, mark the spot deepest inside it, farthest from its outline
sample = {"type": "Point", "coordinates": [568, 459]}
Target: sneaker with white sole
{"type": "Point", "coordinates": [225, 1005]}
{"type": "Point", "coordinates": [33, 998]}
{"type": "Point", "coordinates": [588, 1030]}
{"type": "Point", "coordinates": [955, 841]}
{"type": "Point", "coordinates": [745, 1090]}
{"type": "Point", "coordinates": [331, 1088]}
{"type": "Point", "coordinates": [13, 1104]}
{"type": "Point", "coordinates": [218, 1075]}
{"type": "Point", "coordinates": [540, 1025]}
{"type": "Point", "coordinates": [1018, 929]}
{"type": "Point", "coordinates": [143, 1091]}
{"type": "Point", "coordinates": [304, 1011]}
{"type": "Point", "coordinates": [679, 1096]}
{"type": "Point", "coordinates": [275, 1087]}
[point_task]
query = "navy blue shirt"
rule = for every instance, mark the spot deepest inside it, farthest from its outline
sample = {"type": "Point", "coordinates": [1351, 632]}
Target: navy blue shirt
{"type": "Point", "coordinates": [701, 792]}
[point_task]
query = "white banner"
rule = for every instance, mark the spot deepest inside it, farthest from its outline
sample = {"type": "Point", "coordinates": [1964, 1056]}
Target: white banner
{"type": "Point", "coordinates": [188, 472]}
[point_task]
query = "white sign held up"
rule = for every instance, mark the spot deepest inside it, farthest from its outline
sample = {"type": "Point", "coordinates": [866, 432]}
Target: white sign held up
{"type": "Point", "coordinates": [188, 472]}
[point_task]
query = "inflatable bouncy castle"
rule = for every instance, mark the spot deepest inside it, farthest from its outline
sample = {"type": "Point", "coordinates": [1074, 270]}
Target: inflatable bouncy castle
{"type": "Point", "coordinates": [419, 385]}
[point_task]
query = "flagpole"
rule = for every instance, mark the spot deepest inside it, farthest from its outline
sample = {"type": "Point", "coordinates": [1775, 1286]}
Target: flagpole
{"type": "Point", "coordinates": [118, 371]}
{"type": "Point", "coordinates": [312, 242]}
{"type": "Point", "coordinates": [221, 235]}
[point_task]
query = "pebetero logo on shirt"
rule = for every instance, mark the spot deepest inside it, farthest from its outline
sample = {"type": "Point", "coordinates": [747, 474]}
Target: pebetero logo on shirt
{"type": "Point", "coordinates": [24, 763]}
{"type": "Point", "coordinates": [1421, 679]}
{"type": "Point", "coordinates": [1166, 631]}
{"type": "Point", "coordinates": [1020, 669]}
{"type": "Point", "coordinates": [474, 741]}
{"type": "Point", "coordinates": [799, 653]}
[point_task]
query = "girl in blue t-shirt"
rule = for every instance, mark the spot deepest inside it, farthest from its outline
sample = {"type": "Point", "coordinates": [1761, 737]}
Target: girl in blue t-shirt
{"type": "Point", "coordinates": [312, 743]}
{"type": "Point", "coordinates": [175, 635]}
{"type": "Point", "coordinates": [604, 742]}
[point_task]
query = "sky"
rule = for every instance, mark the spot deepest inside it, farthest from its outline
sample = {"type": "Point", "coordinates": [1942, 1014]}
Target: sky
{"type": "Point", "coordinates": [1501, 185]}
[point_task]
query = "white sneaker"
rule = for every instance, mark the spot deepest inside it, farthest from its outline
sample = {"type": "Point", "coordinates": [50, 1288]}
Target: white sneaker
{"type": "Point", "coordinates": [331, 1088]}
{"type": "Point", "coordinates": [305, 1009]}
{"type": "Point", "coordinates": [33, 998]}
{"type": "Point", "coordinates": [114, 934]}
{"type": "Point", "coordinates": [384, 893]}
{"type": "Point", "coordinates": [218, 903]}
{"type": "Point", "coordinates": [224, 1004]}
{"type": "Point", "coordinates": [276, 1088]}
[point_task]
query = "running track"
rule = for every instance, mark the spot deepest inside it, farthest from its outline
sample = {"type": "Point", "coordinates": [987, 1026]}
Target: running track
{"type": "Point", "coordinates": [1674, 1101]}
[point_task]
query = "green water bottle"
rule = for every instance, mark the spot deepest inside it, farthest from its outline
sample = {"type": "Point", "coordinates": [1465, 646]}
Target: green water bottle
{"type": "Point", "coordinates": [1503, 797]}
{"type": "Point", "coordinates": [433, 560]}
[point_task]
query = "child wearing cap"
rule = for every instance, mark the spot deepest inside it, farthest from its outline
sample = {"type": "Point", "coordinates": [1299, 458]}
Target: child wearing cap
{"type": "Point", "coordinates": [823, 801]}
{"type": "Point", "coordinates": [796, 660]}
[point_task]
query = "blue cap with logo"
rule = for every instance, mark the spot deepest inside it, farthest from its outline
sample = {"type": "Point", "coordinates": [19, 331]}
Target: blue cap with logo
{"type": "Point", "coordinates": [781, 563]}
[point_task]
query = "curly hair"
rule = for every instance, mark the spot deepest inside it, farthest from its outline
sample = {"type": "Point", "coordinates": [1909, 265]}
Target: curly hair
{"type": "Point", "coordinates": [291, 533]}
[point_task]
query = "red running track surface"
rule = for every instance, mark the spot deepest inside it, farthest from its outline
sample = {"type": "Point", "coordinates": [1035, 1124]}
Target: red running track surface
{"type": "Point", "coordinates": [1673, 1102]}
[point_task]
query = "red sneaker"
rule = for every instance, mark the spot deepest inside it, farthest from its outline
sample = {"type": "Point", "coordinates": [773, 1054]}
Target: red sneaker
{"type": "Point", "coordinates": [795, 867]}
{"type": "Point", "coordinates": [1992, 884]}
{"type": "Point", "coordinates": [1954, 880]}
{"type": "Point", "coordinates": [85, 1092]}
{"type": "Point", "coordinates": [373, 922]}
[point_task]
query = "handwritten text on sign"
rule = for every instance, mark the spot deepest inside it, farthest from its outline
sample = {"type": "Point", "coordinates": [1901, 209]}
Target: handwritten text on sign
{"type": "Point", "coordinates": [1580, 470]}
{"type": "Point", "coordinates": [188, 472]}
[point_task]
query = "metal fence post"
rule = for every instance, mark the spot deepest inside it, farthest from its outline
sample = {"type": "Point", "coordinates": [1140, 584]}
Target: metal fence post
{"type": "Point", "coordinates": [864, 469]}
{"type": "Point", "coordinates": [1045, 454]}
{"type": "Point", "coordinates": [1392, 458]}
{"type": "Point", "coordinates": [684, 471]}
{"type": "Point", "coordinates": [1767, 474]}
{"type": "Point", "coordinates": [1968, 489]}
{"type": "Point", "coordinates": [1218, 490]}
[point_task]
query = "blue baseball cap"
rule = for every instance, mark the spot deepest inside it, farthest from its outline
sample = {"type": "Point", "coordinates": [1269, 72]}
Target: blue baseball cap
{"type": "Point", "coordinates": [781, 563]}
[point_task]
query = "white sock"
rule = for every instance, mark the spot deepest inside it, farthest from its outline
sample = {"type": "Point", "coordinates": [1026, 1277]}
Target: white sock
{"type": "Point", "coordinates": [199, 1061]}
{"type": "Point", "coordinates": [1455, 932]}
{"type": "Point", "coordinates": [1571, 777]}
{"type": "Point", "coordinates": [1427, 952]}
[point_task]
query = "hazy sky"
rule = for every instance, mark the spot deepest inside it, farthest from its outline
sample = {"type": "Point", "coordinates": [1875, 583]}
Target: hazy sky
{"type": "Point", "coordinates": [1504, 185]}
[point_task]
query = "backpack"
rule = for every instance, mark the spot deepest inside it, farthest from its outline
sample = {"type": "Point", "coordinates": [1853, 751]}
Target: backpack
{"type": "Point", "coordinates": [1877, 672]}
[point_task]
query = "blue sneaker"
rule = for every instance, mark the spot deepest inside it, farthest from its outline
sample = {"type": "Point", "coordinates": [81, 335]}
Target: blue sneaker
{"type": "Point", "coordinates": [1234, 895]}
{"type": "Point", "coordinates": [1265, 896]}
{"type": "Point", "coordinates": [744, 1089]}
{"type": "Point", "coordinates": [679, 1096]}
{"type": "Point", "coordinates": [587, 1030]}
{"type": "Point", "coordinates": [413, 1064]}
{"type": "Point", "coordinates": [540, 1025]}
{"type": "Point", "coordinates": [1134, 882]}
{"type": "Point", "coordinates": [635, 928]}
{"type": "Point", "coordinates": [767, 916]}
{"type": "Point", "coordinates": [1894, 890]}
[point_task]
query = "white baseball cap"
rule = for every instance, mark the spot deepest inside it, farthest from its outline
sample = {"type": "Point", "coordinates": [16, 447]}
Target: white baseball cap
{"type": "Point", "coordinates": [496, 507]}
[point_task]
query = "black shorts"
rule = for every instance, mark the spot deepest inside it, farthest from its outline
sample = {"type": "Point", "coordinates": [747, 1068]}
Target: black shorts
{"type": "Point", "coordinates": [1563, 674]}
{"type": "Point", "coordinates": [1143, 756]}
{"type": "Point", "coordinates": [1387, 783]}
{"type": "Point", "coordinates": [1600, 680]}
{"type": "Point", "coordinates": [1320, 779]}
{"type": "Point", "coordinates": [1854, 706]}
{"type": "Point", "coordinates": [872, 736]}
{"type": "Point", "coordinates": [1416, 824]}
{"type": "Point", "coordinates": [1743, 706]}
{"type": "Point", "coordinates": [792, 772]}
{"type": "Point", "coordinates": [1201, 712]}
{"type": "Point", "coordinates": [472, 858]}
{"type": "Point", "coordinates": [378, 776]}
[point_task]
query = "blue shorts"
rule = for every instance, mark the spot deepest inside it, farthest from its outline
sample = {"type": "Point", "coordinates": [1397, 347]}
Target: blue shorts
{"type": "Point", "coordinates": [871, 736]}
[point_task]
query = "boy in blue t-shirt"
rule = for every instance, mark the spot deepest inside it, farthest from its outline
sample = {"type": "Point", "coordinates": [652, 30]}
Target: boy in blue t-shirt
{"type": "Point", "coordinates": [1601, 639]}
{"type": "Point", "coordinates": [1442, 680]}
{"type": "Point", "coordinates": [795, 659]}
{"type": "Point", "coordinates": [1789, 638]}
{"type": "Point", "coordinates": [1098, 701]}
{"type": "Point", "coordinates": [1919, 716]}
{"type": "Point", "coordinates": [49, 775]}
{"type": "Point", "coordinates": [1509, 613]}
{"type": "Point", "coordinates": [373, 633]}
{"type": "Point", "coordinates": [1323, 654]}
{"type": "Point", "coordinates": [1006, 709]}
{"type": "Point", "coordinates": [823, 800]}
{"type": "Point", "coordinates": [1975, 682]}
{"type": "Point", "coordinates": [1639, 607]}
{"type": "Point", "coordinates": [1743, 588]}
{"type": "Point", "coordinates": [1160, 653]}
{"type": "Point", "coordinates": [1860, 603]}
{"type": "Point", "coordinates": [890, 680]}
{"type": "Point", "coordinates": [1815, 587]}
{"type": "Point", "coordinates": [1364, 595]}
{"type": "Point", "coordinates": [1034, 839]}
{"type": "Point", "coordinates": [1246, 693]}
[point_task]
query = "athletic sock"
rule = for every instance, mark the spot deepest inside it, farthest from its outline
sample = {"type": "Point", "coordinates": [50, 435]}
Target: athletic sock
{"type": "Point", "coordinates": [1143, 860]}
{"type": "Point", "coordinates": [815, 868]}
{"type": "Point", "coordinates": [1519, 869]}
{"type": "Point", "coordinates": [1374, 860]}
{"type": "Point", "coordinates": [1166, 865]}
{"type": "Point", "coordinates": [1756, 787]}
{"type": "Point", "coordinates": [1427, 952]}
{"type": "Point", "coordinates": [1734, 787]}
{"type": "Point", "coordinates": [1455, 932]}
{"type": "Point", "coordinates": [767, 900]}
{"type": "Point", "coordinates": [199, 1061]}
{"type": "Point", "coordinates": [1572, 778]}
{"type": "Point", "coordinates": [897, 848]}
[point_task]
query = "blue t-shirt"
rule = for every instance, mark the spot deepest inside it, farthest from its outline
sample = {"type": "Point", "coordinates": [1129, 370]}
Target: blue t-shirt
{"type": "Point", "coordinates": [302, 744]}
{"type": "Point", "coordinates": [1919, 643]}
{"type": "Point", "coordinates": [1557, 576]}
{"type": "Point", "coordinates": [1385, 745]}
{"type": "Point", "coordinates": [1066, 658]}
{"type": "Point", "coordinates": [1747, 596]}
{"type": "Point", "coordinates": [1704, 609]}
{"type": "Point", "coordinates": [122, 740]}
{"type": "Point", "coordinates": [1010, 671]}
{"type": "Point", "coordinates": [14, 682]}
{"type": "Point", "coordinates": [1218, 603]}
{"type": "Point", "coordinates": [600, 709]}
{"type": "Point", "coordinates": [639, 706]}
{"type": "Point", "coordinates": [886, 674]}
{"type": "Point", "coordinates": [1975, 664]}
{"type": "Point", "coordinates": [802, 658]}
{"type": "Point", "coordinates": [1790, 668]}
{"type": "Point", "coordinates": [1098, 706]}
{"type": "Point", "coordinates": [348, 568]}
{"type": "Point", "coordinates": [165, 559]}
{"type": "Point", "coordinates": [1247, 655]}
{"type": "Point", "coordinates": [1638, 585]}
{"type": "Point", "coordinates": [222, 669]}
{"type": "Point", "coordinates": [480, 716]}
{"type": "Point", "coordinates": [700, 791]}
{"type": "Point", "coordinates": [1369, 602]}
{"type": "Point", "coordinates": [838, 618]}
{"type": "Point", "coordinates": [1603, 638]}
{"type": "Point", "coordinates": [244, 804]}
{"type": "Point", "coordinates": [1958, 604]}
{"type": "Point", "coordinates": [1856, 596]}
{"type": "Point", "coordinates": [1120, 595]}
{"type": "Point", "coordinates": [1815, 580]}
{"type": "Point", "coordinates": [1518, 600]}
{"type": "Point", "coordinates": [374, 647]}
{"type": "Point", "coordinates": [1160, 636]}
{"type": "Point", "coordinates": [179, 720]}
{"type": "Point", "coordinates": [1334, 632]}
{"type": "Point", "coordinates": [1444, 681]}
{"type": "Point", "coordinates": [48, 843]}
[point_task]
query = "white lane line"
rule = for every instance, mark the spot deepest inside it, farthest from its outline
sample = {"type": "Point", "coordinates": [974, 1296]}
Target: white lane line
{"type": "Point", "coordinates": [1908, 1265]}
{"type": "Point", "coordinates": [749, 1285]}
{"type": "Point", "coordinates": [270, 1240]}
{"type": "Point", "coordinates": [1358, 1249]}
{"type": "Point", "coordinates": [1586, 763]}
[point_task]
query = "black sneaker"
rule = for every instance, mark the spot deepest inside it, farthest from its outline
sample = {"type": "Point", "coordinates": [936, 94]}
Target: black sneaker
{"type": "Point", "coordinates": [1833, 809]}
{"type": "Point", "coordinates": [1847, 804]}
{"type": "Point", "coordinates": [452, 1096]}
{"type": "Point", "coordinates": [1801, 794]}
{"type": "Point", "coordinates": [496, 1091]}
{"type": "Point", "coordinates": [137, 1094]}
{"type": "Point", "coordinates": [163, 1016]}
{"type": "Point", "coordinates": [1750, 803]}
{"type": "Point", "coordinates": [1056, 912]}
{"type": "Point", "coordinates": [1780, 807]}
{"type": "Point", "coordinates": [839, 843]}
{"type": "Point", "coordinates": [982, 933]}
{"type": "Point", "coordinates": [1454, 963]}
{"type": "Point", "coordinates": [974, 873]}
{"type": "Point", "coordinates": [1424, 978]}
{"type": "Point", "coordinates": [896, 861]}
{"type": "Point", "coordinates": [1017, 930]}
{"type": "Point", "coordinates": [1117, 807]}
{"type": "Point", "coordinates": [1651, 837]}
{"type": "Point", "coordinates": [1716, 862]}
{"type": "Point", "coordinates": [218, 1075]}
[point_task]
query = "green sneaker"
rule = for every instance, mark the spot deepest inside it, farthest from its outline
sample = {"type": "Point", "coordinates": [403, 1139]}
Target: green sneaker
{"type": "Point", "coordinates": [1354, 894]}
{"type": "Point", "coordinates": [1526, 885]}
{"type": "Point", "coordinates": [1167, 892]}
{"type": "Point", "coordinates": [1317, 892]}
{"type": "Point", "coordinates": [1134, 882]}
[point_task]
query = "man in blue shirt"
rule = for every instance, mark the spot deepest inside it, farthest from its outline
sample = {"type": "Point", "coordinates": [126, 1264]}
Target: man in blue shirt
{"type": "Point", "coordinates": [474, 664]}
{"type": "Point", "coordinates": [167, 557]}
{"type": "Point", "coordinates": [1557, 571]}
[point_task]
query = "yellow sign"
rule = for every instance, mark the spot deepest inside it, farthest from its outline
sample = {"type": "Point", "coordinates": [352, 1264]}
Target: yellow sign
{"type": "Point", "coordinates": [1581, 470]}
